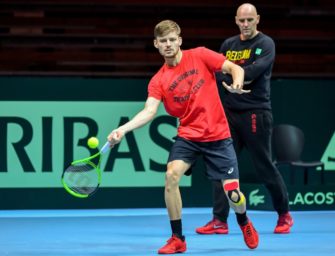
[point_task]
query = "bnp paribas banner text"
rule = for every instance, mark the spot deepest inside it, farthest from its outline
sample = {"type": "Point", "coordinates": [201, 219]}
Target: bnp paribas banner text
{"type": "Point", "coordinates": [38, 139]}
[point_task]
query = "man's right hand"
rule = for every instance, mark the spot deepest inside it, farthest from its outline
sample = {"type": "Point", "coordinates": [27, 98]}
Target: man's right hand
{"type": "Point", "coordinates": [235, 89]}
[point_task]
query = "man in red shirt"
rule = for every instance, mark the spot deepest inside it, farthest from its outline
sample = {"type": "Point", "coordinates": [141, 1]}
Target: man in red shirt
{"type": "Point", "coordinates": [187, 87]}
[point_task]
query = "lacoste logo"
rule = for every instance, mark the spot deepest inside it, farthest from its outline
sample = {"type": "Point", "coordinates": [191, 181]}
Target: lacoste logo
{"type": "Point", "coordinates": [255, 199]}
{"type": "Point", "coordinates": [230, 171]}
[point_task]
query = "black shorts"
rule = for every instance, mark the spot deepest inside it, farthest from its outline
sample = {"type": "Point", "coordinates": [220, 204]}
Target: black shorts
{"type": "Point", "coordinates": [219, 156]}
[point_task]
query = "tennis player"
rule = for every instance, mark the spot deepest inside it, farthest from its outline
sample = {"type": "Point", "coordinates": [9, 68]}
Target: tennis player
{"type": "Point", "coordinates": [187, 87]}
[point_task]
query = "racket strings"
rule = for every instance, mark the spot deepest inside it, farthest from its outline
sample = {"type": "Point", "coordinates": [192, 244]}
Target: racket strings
{"type": "Point", "coordinates": [82, 178]}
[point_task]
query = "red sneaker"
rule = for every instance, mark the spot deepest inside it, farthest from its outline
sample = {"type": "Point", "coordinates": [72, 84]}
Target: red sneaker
{"type": "Point", "coordinates": [284, 224]}
{"type": "Point", "coordinates": [250, 235]}
{"type": "Point", "coordinates": [173, 245]}
{"type": "Point", "coordinates": [215, 226]}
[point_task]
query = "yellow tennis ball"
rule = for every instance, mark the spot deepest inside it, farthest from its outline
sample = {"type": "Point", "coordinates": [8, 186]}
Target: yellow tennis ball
{"type": "Point", "coordinates": [93, 142]}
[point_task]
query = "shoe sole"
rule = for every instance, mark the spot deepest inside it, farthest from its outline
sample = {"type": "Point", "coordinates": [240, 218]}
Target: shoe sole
{"type": "Point", "coordinates": [213, 233]}
{"type": "Point", "coordinates": [253, 246]}
{"type": "Point", "coordinates": [178, 251]}
{"type": "Point", "coordinates": [284, 232]}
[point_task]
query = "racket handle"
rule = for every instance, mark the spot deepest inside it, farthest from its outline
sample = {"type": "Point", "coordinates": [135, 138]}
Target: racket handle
{"type": "Point", "coordinates": [105, 148]}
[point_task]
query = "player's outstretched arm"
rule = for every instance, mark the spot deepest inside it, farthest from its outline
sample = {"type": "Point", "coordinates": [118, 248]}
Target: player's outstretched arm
{"type": "Point", "coordinates": [141, 118]}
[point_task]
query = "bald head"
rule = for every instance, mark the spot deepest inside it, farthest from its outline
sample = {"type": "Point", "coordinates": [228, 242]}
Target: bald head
{"type": "Point", "coordinates": [246, 8]}
{"type": "Point", "coordinates": [247, 20]}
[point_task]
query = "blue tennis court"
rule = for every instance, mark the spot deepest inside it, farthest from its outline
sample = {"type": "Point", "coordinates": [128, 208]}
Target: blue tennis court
{"type": "Point", "coordinates": [142, 231]}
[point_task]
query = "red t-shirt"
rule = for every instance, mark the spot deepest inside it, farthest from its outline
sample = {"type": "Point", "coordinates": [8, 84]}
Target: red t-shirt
{"type": "Point", "coordinates": [189, 92]}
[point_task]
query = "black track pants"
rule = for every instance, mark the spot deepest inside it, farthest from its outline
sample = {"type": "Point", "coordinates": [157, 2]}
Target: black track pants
{"type": "Point", "coordinates": [252, 130]}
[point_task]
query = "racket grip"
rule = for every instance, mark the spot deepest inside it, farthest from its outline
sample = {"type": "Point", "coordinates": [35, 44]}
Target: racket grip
{"type": "Point", "coordinates": [105, 147]}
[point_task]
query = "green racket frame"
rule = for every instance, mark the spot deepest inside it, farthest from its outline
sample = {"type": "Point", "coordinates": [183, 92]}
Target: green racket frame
{"type": "Point", "coordinates": [88, 160]}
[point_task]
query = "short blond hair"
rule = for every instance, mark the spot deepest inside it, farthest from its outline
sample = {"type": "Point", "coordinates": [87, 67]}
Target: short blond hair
{"type": "Point", "coordinates": [165, 27]}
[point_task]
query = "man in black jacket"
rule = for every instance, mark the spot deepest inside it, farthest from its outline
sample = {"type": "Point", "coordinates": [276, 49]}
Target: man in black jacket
{"type": "Point", "coordinates": [250, 118]}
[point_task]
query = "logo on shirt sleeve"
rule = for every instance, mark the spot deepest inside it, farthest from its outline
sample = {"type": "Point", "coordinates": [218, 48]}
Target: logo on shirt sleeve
{"type": "Point", "coordinates": [258, 51]}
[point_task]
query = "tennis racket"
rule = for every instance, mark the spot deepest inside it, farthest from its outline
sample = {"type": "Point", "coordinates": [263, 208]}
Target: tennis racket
{"type": "Point", "coordinates": [82, 177]}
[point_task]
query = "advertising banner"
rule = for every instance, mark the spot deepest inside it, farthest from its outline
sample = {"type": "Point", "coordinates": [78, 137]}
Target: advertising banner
{"type": "Point", "coordinates": [311, 197]}
{"type": "Point", "coordinates": [39, 139]}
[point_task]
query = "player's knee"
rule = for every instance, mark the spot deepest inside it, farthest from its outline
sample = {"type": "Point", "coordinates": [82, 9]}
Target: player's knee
{"type": "Point", "coordinates": [172, 177]}
{"type": "Point", "coordinates": [233, 193]}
